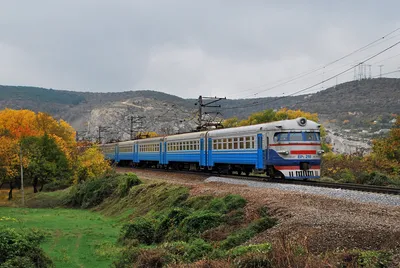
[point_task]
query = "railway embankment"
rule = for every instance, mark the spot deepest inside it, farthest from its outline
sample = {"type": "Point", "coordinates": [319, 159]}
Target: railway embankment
{"type": "Point", "coordinates": [179, 220]}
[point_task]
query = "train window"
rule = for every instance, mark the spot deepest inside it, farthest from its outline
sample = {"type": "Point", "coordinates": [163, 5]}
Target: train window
{"type": "Point", "coordinates": [317, 135]}
{"type": "Point", "coordinates": [281, 136]}
{"type": "Point", "coordinates": [241, 143]}
{"type": "Point", "coordinates": [235, 143]}
{"type": "Point", "coordinates": [248, 144]}
{"type": "Point", "coordinates": [296, 136]}
{"type": "Point", "coordinates": [230, 143]}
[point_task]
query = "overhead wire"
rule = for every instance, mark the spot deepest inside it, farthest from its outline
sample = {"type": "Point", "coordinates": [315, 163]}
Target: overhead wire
{"type": "Point", "coordinates": [303, 74]}
{"type": "Point", "coordinates": [319, 83]}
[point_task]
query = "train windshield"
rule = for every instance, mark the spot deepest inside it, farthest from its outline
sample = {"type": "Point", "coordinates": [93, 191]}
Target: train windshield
{"type": "Point", "coordinates": [296, 136]}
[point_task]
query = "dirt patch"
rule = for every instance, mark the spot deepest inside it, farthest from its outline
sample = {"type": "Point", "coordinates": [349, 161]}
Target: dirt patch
{"type": "Point", "coordinates": [323, 223]}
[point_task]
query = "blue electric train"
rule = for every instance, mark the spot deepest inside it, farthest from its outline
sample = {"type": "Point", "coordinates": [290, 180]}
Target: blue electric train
{"type": "Point", "coordinates": [288, 149]}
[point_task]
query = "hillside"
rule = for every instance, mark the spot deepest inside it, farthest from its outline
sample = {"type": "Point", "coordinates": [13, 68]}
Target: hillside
{"type": "Point", "coordinates": [366, 104]}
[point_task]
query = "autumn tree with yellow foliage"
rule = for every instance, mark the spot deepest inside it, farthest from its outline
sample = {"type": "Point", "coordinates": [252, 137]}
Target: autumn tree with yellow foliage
{"type": "Point", "coordinates": [19, 125]}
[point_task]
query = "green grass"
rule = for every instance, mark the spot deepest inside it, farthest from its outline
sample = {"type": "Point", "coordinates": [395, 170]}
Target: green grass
{"type": "Point", "coordinates": [76, 238]}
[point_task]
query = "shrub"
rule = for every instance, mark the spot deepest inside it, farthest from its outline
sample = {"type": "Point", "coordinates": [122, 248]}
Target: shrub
{"type": "Point", "coordinates": [142, 229]}
{"type": "Point", "coordinates": [237, 238]}
{"type": "Point", "coordinates": [253, 260]}
{"type": "Point", "coordinates": [259, 248]}
{"type": "Point", "coordinates": [262, 224]}
{"type": "Point", "coordinates": [22, 249]}
{"type": "Point", "coordinates": [170, 221]}
{"type": "Point", "coordinates": [91, 193]}
{"type": "Point", "coordinates": [128, 257]}
{"type": "Point", "coordinates": [226, 204]}
{"type": "Point", "coordinates": [245, 234]}
{"type": "Point", "coordinates": [346, 176]}
{"type": "Point", "coordinates": [367, 258]}
{"type": "Point", "coordinates": [377, 178]}
{"type": "Point", "coordinates": [234, 217]}
{"type": "Point", "coordinates": [198, 202]}
{"type": "Point", "coordinates": [199, 221]}
{"type": "Point", "coordinates": [126, 182]}
{"type": "Point", "coordinates": [188, 251]}
{"type": "Point", "coordinates": [234, 202]}
{"type": "Point", "coordinates": [155, 258]}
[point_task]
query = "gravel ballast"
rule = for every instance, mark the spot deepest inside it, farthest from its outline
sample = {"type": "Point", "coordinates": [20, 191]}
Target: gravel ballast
{"type": "Point", "coordinates": [362, 197]}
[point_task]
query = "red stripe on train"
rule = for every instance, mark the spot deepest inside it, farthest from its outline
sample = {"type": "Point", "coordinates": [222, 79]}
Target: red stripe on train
{"type": "Point", "coordinates": [294, 167]}
{"type": "Point", "coordinates": [290, 144]}
{"type": "Point", "coordinates": [303, 152]}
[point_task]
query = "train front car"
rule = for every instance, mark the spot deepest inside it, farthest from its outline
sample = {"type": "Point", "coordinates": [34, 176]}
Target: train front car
{"type": "Point", "coordinates": [293, 149]}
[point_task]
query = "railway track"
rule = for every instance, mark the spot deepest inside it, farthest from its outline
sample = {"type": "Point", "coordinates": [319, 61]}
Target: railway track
{"type": "Point", "coordinates": [344, 186]}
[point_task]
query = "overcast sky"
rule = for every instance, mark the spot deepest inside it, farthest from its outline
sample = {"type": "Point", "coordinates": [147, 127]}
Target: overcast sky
{"type": "Point", "coordinates": [189, 48]}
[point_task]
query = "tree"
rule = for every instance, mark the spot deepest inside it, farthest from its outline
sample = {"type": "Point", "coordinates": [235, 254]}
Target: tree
{"type": "Point", "coordinates": [91, 164]}
{"type": "Point", "coordinates": [9, 161]}
{"type": "Point", "coordinates": [46, 161]}
{"type": "Point", "coordinates": [389, 147]}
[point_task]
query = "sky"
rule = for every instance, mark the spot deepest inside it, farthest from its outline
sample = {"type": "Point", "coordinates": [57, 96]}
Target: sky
{"type": "Point", "coordinates": [234, 49]}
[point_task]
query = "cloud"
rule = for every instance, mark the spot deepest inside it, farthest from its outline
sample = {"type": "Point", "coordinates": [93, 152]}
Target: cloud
{"type": "Point", "coordinates": [186, 48]}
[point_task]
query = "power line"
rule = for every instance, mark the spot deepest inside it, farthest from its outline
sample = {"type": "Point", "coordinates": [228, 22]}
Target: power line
{"type": "Point", "coordinates": [301, 75]}
{"type": "Point", "coordinates": [323, 81]}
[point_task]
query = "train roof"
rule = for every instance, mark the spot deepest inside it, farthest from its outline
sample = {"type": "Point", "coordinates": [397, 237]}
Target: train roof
{"type": "Point", "coordinates": [186, 136]}
{"type": "Point", "coordinates": [126, 142]}
{"type": "Point", "coordinates": [293, 124]}
{"type": "Point", "coordinates": [149, 140]}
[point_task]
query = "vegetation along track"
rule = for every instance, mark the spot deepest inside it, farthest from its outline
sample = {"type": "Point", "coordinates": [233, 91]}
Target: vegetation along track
{"type": "Point", "coordinates": [345, 186]}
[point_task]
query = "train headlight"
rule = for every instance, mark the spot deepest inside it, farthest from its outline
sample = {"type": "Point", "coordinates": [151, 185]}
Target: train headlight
{"type": "Point", "coordinates": [283, 152]}
{"type": "Point", "coordinates": [302, 121]}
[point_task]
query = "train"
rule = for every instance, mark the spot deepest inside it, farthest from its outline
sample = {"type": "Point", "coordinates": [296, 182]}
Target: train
{"type": "Point", "coordinates": [286, 149]}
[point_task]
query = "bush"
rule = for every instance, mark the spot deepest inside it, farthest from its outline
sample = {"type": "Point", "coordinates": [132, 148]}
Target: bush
{"type": "Point", "coordinates": [234, 217]}
{"type": "Point", "coordinates": [154, 258]}
{"type": "Point", "coordinates": [22, 249]}
{"type": "Point", "coordinates": [188, 251]}
{"type": "Point", "coordinates": [245, 234]}
{"type": "Point", "coordinates": [234, 202]}
{"type": "Point", "coordinates": [142, 229]}
{"type": "Point", "coordinates": [198, 202]}
{"type": "Point", "coordinates": [170, 221]}
{"type": "Point", "coordinates": [377, 178]}
{"type": "Point", "coordinates": [226, 204]}
{"type": "Point", "coordinates": [128, 257]}
{"type": "Point", "coordinates": [253, 260]}
{"type": "Point", "coordinates": [199, 221]}
{"type": "Point", "coordinates": [346, 176]}
{"type": "Point", "coordinates": [259, 248]}
{"type": "Point", "coordinates": [91, 193]}
{"type": "Point", "coordinates": [126, 182]}
{"type": "Point", "coordinates": [367, 258]}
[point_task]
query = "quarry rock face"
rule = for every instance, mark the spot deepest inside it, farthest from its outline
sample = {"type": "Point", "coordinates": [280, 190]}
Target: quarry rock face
{"type": "Point", "coordinates": [116, 119]}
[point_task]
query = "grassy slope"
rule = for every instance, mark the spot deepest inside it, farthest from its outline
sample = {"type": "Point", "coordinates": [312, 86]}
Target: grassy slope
{"type": "Point", "coordinates": [78, 238]}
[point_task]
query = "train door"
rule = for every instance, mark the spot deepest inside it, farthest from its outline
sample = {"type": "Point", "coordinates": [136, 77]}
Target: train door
{"type": "Point", "coordinates": [116, 157]}
{"type": "Point", "coordinates": [161, 161]}
{"type": "Point", "coordinates": [260, 157]}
